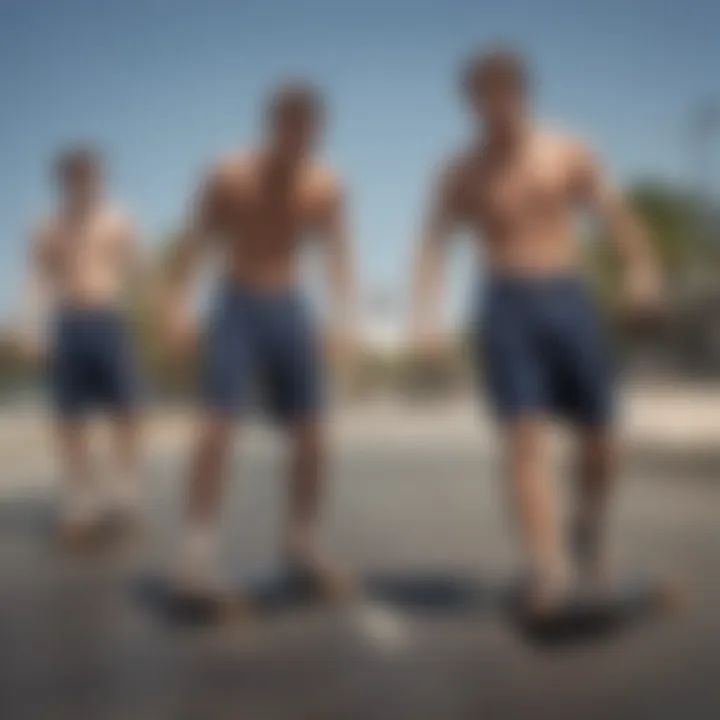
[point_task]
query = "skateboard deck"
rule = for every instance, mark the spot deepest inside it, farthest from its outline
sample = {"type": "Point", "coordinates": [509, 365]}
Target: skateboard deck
{"type": "Point", "coordinates": [586, 617]}
{"type": "Point", "coordinates": [243, 600]}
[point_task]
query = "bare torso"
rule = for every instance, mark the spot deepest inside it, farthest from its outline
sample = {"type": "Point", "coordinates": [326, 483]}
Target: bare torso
{"type": "Point", "coordinates": [521, 207]}
{"type": "Point", "coordinates": [86, 259]}
{"type": "Point", "coordinates": [261, 217]}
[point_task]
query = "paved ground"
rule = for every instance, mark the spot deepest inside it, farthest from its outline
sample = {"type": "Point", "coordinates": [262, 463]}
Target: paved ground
{"type": "Point", "coordinates": [415, 501]}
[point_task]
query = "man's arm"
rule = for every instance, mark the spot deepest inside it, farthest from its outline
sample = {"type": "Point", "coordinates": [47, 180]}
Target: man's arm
{"type": "Point", "coordinates": [37, 299]}
{"type": "Point", "coordinates": [185, 258]}
{"type": "Point", "coordinates": [340, 262]}
{"type": "Point", "coordinates": [439, 225]}
{"type": "Point", "coordinates": [135, 260]}
{"type": "Point", "coordinates": [626, 230]}
{"type": "Point", "coordinates": [335, 236]}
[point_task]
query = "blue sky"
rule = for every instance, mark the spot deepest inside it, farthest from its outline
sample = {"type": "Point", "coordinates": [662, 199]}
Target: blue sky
{"type": "Point", "coordinates": [166, 85]}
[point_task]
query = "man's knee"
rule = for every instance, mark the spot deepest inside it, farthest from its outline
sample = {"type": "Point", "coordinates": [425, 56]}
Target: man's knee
{"type": "Point", "coordinates": [71, 430]}
{"type": "Point", "coordinates": [215, 435]}
{"type": "Point", "coordinates": [308, 442]}
{"type": "Point", "coordinates": [526, 441]}
{"type": "Point", "coordinates": [598, 451]}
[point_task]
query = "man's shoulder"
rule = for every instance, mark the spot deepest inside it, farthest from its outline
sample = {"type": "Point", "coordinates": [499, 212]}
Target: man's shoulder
{"type": "Point", "coordinates": [113, 216]}
{"type": "Point", "coordinates": [44, 227]}
{"type": "Point", "coordinates": [459, 161]}
{"type": "Point", "coordinates": [233, 168]}
{"type": "Point", "coordinates": [562, 145]}
{"type": "Point", "coordinates": [455, 170]}
{"type": "Point", "coordinates": [322, 182]}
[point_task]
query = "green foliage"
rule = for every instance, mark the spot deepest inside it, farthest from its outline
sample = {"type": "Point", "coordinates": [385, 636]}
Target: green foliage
{"type": "Point", "coordinates": [669, 215]}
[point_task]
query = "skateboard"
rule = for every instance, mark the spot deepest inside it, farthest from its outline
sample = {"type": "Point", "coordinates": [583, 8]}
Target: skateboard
{"type": "Point", "coordinates": [243, 600]}
{"type": "Point", "coordinates": [586, 616]}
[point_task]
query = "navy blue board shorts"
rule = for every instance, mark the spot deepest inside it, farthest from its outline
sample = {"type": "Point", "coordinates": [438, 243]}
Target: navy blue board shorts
{"type": "Point", "coordinates": [261, 349]}
{"type": "Point", "coordinates": [91, 362]}
{"type": "Point", "coordinates": [543, 350]}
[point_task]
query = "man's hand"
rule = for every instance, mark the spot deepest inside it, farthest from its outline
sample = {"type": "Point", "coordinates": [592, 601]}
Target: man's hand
{"type": "Point", "coordinates": [180, 330]}
{"type": "Point", "coordinates": [342, 349]}
{"type": "Point", "coordinates": [445, 213]}
{"type": "Point", "coordinates": [644, 293]}
{"type": "Point", "coordinates": [644, 306]}
{"type": "Point", "coordinates": [428, 345]}
{"type": "Point", "coordinates": [31, 349]}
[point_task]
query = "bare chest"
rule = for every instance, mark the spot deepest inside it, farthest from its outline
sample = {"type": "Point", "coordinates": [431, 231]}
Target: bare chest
{"type": "Point", "coordinates": [272, 216]}
{"type": "Point", "coordinates": [84, 245]}
{"type": "Point", "coordinates": [506, 195]}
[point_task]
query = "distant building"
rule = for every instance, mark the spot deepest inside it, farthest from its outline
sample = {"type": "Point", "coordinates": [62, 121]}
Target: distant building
{"type": "Point", "coordinates": [381, 325]}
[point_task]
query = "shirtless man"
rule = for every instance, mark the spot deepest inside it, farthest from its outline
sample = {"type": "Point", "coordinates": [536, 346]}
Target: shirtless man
{"type": "Point", "coordinates": [80, 261]}
{"type": "Point", "coordinates": [254, 210]}
{"type": "Point", "coordinates": [517, 190]}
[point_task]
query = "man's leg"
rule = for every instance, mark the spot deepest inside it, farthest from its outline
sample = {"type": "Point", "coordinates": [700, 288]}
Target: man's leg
{"type": "Point", "coordinates": [72, 390]}
{"type": "Point", "coordinates": [515, 367]}
{"type": "Point", "coordinates": [303, 546]}
{"type": "Point", "coordinates": [204, 496]}
{"type": "Point", "coordinates": [596, 469]}
{"type": "Point", "coordinates": [536, 509]}
{"type": "Point", "coordinates": [306, 482]}
{"type": "Point", "coordinates": [227, 370]}
{"type": "Point", "coordinates": [212, 448]}
{"type": "Point", "coordinates": [79, 503]}
{"type": "Point", "coordinates": [119, 388]}
{"type": "Point", "coordinates": [124, 485]}
{"type": "Point", "coordinates": [294, 380]}
{"type": "Point", "coordinates": [586, 381]}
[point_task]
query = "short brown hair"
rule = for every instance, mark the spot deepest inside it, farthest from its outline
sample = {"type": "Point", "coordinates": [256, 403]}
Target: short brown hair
{"type": "Point", "coordinates": [296, 98]}
{"type": "Point", "coordinates": [76, 160]}
{"type": "Point", "coordinates": [501, 66]}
